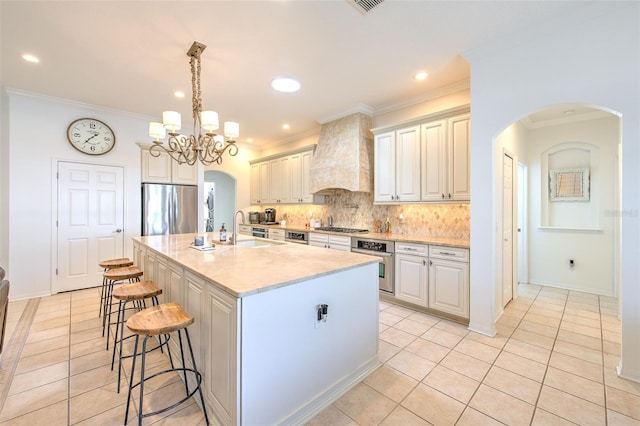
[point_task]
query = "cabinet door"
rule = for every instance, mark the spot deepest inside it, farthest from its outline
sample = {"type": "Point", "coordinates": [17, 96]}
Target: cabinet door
{"type": "Point", "coordinates": [184, 173]}
{"type": "Point", "coordinates": [408, 164]}
{"type": "Point", "coordinates": [155, 169]}
{"type": "Point", "coordinates": [259, 185]}
{"type": "Point", "coordinates": [220, 340]}
{"type": "Point", "coordinates": [384, 184]}
{"type": "Point", "coordinates": [459, 158]}
{"type": "Point", "coordinates": [194, 287]}
{"type": "Point", "coordinates": [449, 287]}
{"type": "Point", "coordinates": [295, 178]}
{"type": "Point", "coordinates": [160, 278]}
{"type": "Point", "coordinates": [411, 279]}
{"type": "Point", "coordinates": [279, 180]}
{"type": "Point", "coordinates": [434, 160]}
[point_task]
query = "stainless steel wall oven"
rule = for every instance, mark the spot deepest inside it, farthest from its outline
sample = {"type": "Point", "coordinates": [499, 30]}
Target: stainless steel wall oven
{"type": "Point", "coordinates": [385, 250]}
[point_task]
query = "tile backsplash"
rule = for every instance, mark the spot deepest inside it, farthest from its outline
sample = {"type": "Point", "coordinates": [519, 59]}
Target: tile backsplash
{"type": "Point", "coordinates": [356, 210]}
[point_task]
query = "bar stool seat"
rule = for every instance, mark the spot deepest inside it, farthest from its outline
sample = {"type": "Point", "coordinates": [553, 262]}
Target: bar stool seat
{"type": "Point", "coordinates": [112, 276]}
{"type": "Point", "coordinates": [106, 265]}
{"type": "Point", "coordinates": [137, 293]}
{"type": "Point", "coordinates": [153, 321]}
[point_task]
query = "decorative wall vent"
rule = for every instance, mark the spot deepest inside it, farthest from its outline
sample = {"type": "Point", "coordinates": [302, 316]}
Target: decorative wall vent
{"type": "Point", "coordinates": [364, 6]}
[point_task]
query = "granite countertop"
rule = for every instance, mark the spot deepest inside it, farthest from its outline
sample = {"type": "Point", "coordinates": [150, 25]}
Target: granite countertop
{"type": "Point", "coordinates": [242, 271]}
{"type": "Point", "coordinates": [406, 238]}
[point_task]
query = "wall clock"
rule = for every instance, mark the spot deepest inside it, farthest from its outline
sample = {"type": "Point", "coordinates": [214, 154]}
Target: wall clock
{"type": "Point", "coordinates": [91, 136]}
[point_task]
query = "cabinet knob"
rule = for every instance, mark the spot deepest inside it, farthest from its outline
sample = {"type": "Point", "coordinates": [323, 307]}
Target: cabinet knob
{"type": "Point", "coordinates": [424, 262]}
{"type": "Point", "coordinates": [430, 263]}
{"type": "Point", "coordinates": [443, 196]}
{"type": "Point", "coordinates": [449, 195]}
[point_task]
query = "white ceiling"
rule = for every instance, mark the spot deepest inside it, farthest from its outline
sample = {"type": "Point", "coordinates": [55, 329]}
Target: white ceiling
{"type": "Point", "coordinates": [131, 55]}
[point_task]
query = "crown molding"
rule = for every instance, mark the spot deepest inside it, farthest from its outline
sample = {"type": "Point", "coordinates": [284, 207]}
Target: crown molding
{"type": "Point", "coordinates": [361, 108]}
{"type": "Point", "coordinates": [439, 92]}
{"type": "Point", "coordinates": [75, 104]}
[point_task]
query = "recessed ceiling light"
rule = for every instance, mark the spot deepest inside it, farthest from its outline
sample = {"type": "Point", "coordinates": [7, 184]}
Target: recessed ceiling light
{"type": "Point", "coordinates": [30, 58]}
{"type": "Point", "coordinates": [421, 75]}
{"type": "Point", "coordinates": [178, 94]}
{"type": "Point", "coordinates": [285, 84]}
{"type": "Point", "coordinates": [286, 126]}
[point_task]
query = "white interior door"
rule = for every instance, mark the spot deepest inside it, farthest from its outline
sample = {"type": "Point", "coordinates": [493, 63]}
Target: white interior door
{"type": "Point", "coordinates": [90, 222]}
{"type": "Point", "coordinates": [507, 229]}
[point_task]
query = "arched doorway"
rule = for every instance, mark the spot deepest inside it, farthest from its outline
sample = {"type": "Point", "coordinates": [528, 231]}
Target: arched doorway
{"type": "Point", "coordinates": [572, 239]}
{"type": "Point", "coordinates": [219, 199]}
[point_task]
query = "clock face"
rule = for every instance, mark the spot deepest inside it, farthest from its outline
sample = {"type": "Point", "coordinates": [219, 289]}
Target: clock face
{"type": "Point", "coordinates": [91, 136]}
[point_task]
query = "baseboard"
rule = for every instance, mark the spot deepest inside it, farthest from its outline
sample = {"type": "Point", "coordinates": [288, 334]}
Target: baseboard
{"type": "Point", "coordinates": [331, 395]}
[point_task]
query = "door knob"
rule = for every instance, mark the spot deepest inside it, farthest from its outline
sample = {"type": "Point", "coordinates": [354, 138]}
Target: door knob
{"type": "Point", "coordinates": [118, 230]}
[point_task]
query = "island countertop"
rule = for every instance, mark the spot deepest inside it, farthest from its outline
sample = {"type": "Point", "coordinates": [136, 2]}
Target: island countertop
{"type": "Point", "coordinates": [242, 271]}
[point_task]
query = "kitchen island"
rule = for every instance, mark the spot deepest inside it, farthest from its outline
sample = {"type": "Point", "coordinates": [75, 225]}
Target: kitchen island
{"type": "Point", "coordinates": [266, 355]}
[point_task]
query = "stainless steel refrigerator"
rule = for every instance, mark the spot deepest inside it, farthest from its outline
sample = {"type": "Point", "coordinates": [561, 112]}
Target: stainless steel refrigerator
{"type": "Point", "coordinates": [169, 209]}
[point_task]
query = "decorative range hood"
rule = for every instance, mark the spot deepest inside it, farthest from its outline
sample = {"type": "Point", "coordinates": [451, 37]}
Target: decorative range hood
{"type": "Point", "coordinates": [344, 155]}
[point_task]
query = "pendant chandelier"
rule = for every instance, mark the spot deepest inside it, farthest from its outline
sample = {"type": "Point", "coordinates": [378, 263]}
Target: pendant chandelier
{"type": "Point", "coordinates": [204, 146]}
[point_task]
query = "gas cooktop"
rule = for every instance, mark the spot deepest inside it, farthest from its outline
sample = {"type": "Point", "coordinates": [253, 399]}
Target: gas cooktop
{"type": "Point", "coordinates": [345, 230]}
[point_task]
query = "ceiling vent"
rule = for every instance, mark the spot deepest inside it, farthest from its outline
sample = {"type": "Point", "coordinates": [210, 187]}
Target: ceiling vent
{"type": "Point", "coordinates": [364, 6]}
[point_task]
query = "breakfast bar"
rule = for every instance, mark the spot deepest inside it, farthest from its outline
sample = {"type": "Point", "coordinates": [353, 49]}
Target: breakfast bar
{"type": "Point", "coordinates": [281, 330]}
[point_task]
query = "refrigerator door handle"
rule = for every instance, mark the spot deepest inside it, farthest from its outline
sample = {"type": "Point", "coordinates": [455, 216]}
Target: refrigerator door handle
{"type": "Point", "coordinates": [172, 211]}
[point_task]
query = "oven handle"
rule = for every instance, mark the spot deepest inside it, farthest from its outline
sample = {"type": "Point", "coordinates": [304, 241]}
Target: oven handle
{"type": "Point", "coordinates": [371, 252]}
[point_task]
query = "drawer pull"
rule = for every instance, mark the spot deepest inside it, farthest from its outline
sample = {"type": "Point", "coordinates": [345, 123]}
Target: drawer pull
{"type": "Point", "coordinates": [446, 253]}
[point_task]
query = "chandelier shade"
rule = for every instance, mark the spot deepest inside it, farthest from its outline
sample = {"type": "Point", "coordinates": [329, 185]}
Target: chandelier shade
{"type": "Point", "coordinates": [204, 145]}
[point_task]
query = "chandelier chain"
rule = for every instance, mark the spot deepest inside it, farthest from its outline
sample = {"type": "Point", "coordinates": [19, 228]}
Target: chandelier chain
{"type": "Point", "coordinates": [202, 147]}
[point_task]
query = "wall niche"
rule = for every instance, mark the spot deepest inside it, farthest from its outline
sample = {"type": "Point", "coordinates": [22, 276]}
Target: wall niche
{"type": "Point", "coordinates": [570, 187]}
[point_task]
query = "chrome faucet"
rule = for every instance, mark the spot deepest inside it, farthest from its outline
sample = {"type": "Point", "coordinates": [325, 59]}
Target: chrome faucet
{"type": "Point", "coordinates": [234, 236]}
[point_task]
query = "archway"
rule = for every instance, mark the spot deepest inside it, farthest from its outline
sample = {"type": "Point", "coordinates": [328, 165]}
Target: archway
{"type": "Point", "coordinates": [219, 199]}
{"type": "Point", "coordinates": [572, 242]}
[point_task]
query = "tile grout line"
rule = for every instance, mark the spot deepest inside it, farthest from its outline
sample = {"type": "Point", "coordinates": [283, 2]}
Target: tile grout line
{"type": "Point", "coordinates": [13, 350]}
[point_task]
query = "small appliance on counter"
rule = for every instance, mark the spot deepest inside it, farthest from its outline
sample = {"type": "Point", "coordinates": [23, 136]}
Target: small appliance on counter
{"type": "Point", "coordinates": [270, 217]}
{"type": "Point", "coordinates": [256, 217]}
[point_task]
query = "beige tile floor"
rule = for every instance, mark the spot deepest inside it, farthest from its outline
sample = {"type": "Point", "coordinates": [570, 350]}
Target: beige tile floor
{"type": "Point", "coordinates": [552, 363]}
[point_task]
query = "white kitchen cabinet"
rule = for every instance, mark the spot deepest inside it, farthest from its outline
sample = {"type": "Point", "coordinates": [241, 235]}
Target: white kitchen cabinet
{"type": "Point", "coordinates": [445, 159]}
{"type": "Point", "coordinates": [276, 234]}
{"type": "Point", "coordinates": [397, 166]}
{"type": "Point", "coordinates": [449, 280]}
{"type": "Point", "coordinates": [411, 274]}
{"type": "Point", "coordinates": [244, 229]}
{"type": "Point", "coordinates": [279, 181]}
{"type": "Point", "coordinates": [259, 185]}
{"type": "Point", "coordinates": [334, 242]}
{"type": "Point", "coordinates": [221, 366]}
{"type": "Point", "coordinates": [163, 169]}
{"type": "Point", "coordinates": [300, 178]}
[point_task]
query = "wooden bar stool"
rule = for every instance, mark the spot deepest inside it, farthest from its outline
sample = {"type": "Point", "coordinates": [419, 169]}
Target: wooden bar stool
{"type": "Point", "coordinates": [112, 276]}
{"type": "Point", "coordinates": [137, 293]}
{"type": "Point", "coordinates": [106, 265]}
{"type": "Point", "coordinates": [162, 319]}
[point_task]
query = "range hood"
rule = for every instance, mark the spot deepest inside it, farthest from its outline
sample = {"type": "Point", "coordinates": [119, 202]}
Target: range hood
{"type": "Point", "coordinates": [344, 155]}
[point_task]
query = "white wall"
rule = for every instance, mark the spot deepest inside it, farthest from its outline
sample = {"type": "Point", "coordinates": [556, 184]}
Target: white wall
{"type": "Point", "coordinates": [590, 57]}
{"type": "Point", "coordinates": [33, 140]}
{"type": "Point", "coordinates": [551, 243]}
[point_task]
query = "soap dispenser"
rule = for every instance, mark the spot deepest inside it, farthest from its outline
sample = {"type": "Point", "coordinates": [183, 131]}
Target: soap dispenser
{"type": "Point", "coordinates": [223, 234]}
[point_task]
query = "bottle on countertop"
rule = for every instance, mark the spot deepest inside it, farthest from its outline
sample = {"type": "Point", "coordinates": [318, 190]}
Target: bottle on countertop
{"type": "Point", "coordinates": [223, 233]}
{"type": "Point", "coordinates": [387, 226]}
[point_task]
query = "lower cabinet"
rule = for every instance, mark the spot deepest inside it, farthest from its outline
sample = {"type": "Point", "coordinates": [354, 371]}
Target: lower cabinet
{"type": "Point", "coordinates": [412, 273]}
{"type": "Point", "coordinates": [434, 277]}
{"type": "Point", "coordinates": [449, 287]}
{"type": "Point", "coordinates": [335, 242]}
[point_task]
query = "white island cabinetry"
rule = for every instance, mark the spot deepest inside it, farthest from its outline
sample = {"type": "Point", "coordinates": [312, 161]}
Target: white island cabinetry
{"type": "Point", "coordinates": [245, 322]}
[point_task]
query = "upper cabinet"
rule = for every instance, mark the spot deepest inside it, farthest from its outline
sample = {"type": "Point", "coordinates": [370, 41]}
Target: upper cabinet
{"type": "Point", "coordinates": [163, 169]}
{"type": "Point", "coordinates": [397, 166]}
{"type": "Point", "coordinates": [425, 162]}
{"type": "Point", "coordinates": [259, 185]}
{"type": "Point", "coordinates": [283, 180]}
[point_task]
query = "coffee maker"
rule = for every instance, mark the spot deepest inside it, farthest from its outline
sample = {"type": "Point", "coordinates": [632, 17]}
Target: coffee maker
{"type": "Point", "coordinates": [270, 215]}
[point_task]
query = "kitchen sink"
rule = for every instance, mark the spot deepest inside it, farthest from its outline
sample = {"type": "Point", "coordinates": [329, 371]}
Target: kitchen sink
{"type": "Point", "coordinates": [259, 243]}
